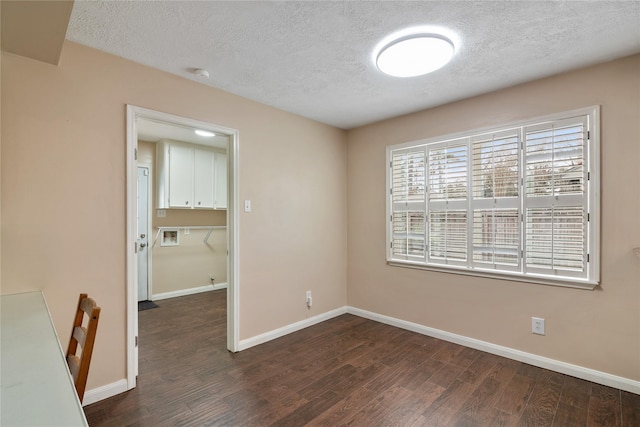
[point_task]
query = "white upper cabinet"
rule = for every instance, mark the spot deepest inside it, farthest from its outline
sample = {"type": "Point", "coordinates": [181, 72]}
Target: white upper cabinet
{"type": "Point", "coordinates": [203, 178]}
{"type": "Point", "coordinates": [190, 176]}
{"type": "Point", "coordinates": [180, 176]}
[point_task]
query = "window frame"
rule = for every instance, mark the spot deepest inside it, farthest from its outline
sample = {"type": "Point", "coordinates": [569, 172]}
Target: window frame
{"type": "Point", "coordinates": [521, 273]}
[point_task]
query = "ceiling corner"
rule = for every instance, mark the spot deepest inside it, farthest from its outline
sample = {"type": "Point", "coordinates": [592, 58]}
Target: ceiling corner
{"type": "Point", "coordinates": [35, 29]}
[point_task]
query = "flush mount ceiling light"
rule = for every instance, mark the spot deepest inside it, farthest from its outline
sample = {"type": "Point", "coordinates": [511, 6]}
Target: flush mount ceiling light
{"type": "Point", "coordinates": [415, 55]}
{"type": "Point", "coordinates": [204, 133]}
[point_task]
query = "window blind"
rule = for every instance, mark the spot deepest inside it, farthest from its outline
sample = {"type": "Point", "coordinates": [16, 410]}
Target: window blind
{"type": "Point", "coordinates": [555, 203]}
{"type": "Point", "coordinates": [408, 219]}
{"type": "Point", "coordinates": [447, 200]}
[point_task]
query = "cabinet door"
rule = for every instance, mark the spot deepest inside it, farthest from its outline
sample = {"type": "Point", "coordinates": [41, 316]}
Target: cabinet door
{"type": "Point", "coordinates": [203, 189]}
{"type": "Point", "coordinates": [180, 176]}
{"type": "Point", "coordinates": [221, 181]}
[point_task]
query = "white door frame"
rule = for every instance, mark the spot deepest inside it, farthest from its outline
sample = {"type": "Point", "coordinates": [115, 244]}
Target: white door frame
{"type": "Point", "coordinates": [233, 319]}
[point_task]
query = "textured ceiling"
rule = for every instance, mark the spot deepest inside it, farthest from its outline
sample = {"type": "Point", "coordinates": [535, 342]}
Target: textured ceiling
{"type": "Point", "coordinates": [154, 131]}
{"type": "Point", "coordinates": [314, 58]}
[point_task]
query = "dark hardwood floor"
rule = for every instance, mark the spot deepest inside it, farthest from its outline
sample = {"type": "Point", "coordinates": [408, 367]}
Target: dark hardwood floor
{"type": "Point", "coordinates": [345, 371]}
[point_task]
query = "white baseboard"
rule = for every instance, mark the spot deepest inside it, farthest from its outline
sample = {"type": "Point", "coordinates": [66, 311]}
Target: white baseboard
{"type": "Point", "coordinates": [510, 353]}
{"type": "Point", "coordinates": [219, 286]}
{"type": "Point", "coordinates": [285, 330]}
{"type": "Point", "coordinates": [188, 291]}
{"type": "Point", "coordinates": [104, 392]}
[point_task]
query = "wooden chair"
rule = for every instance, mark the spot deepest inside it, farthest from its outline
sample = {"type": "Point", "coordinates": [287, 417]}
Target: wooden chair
{"type": "Point", "coordinates": [84, 335]}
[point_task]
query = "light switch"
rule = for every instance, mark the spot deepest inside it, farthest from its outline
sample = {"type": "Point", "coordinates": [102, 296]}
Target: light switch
{"type": "Point", "coordinates": [247, 205]}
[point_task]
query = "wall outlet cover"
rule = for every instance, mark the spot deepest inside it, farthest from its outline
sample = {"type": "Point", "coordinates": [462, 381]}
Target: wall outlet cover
{"type": "Point", "coordinates": [537, 326]}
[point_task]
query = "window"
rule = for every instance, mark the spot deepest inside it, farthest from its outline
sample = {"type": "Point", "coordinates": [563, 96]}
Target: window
{"type": "Point", "coordinates": [519, 201]}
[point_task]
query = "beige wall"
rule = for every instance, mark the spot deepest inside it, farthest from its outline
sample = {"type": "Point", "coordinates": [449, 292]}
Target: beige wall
{"type": "Point", "coordinates": [596, 329]}
{"type": "Point", "coordinates": [63, 194]}
{"type": "Point", "coordinates": [191, 263]}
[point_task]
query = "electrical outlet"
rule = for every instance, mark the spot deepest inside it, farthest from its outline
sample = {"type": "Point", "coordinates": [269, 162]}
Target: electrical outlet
{"type": "Point", "coordinates": [309, 299]}
{"type": "Point", "coordinates": [537, 325]}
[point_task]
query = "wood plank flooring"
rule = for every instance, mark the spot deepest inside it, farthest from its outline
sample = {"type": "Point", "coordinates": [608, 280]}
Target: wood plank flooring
{"type": "Point", "coordinates": [345, 371]}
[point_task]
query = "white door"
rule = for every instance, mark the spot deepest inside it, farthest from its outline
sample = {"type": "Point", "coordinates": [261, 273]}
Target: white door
{"type": "Point", "coordinates": [143, 233]}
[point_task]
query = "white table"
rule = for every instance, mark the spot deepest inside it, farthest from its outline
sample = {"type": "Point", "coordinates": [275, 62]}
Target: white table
{"type": "Point", "coordinates": [36, 388]}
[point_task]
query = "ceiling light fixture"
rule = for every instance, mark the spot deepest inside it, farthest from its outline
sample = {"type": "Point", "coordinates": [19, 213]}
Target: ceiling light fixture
{"type": "Point", "coordinates": [414, 55]}
{"type": "Point", "coordinates": [204, 133]}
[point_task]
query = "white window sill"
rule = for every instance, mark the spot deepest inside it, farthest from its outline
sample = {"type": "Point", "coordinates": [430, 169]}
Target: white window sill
{"type": "Point", "coordinates": [515, 277]}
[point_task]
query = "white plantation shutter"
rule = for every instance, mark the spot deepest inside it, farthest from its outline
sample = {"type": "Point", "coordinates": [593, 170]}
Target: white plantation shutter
{"type": "Point", "coordinates": [516, 201]}
{"type": "Point", "coordinates": [447, 191]}
{"type": "Point", "coordinates": [408, 222]}
{"type": "Point", "coordinates": [555, 203]}
{"type": "Point", "coordinates": [448, 236]}
{"type": "Point", "coordinates": [409, 233]}
{"type": "Point", "coordinates": [554, 158]}
{"type": "Point", "coordinates": [496, 238]}
{"type": "Point", "coordinates": [448, 171]}
{"type": "Point", "coordinates": [556, 239]}
{"type": "Point", "coordinates": [495, 204]}
{"type": "Point", "coordinates": [408, 172]}
{"type": "Point", "coordinates": [496, 164]}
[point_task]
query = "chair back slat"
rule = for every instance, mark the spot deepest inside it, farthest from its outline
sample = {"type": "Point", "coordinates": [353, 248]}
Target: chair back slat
{"type": "Point", "coordinates": [87, 305]}
{"type": "Point", "coordinates": [82, 337]}
{"type": "Point", "coordinates": [74, 366]}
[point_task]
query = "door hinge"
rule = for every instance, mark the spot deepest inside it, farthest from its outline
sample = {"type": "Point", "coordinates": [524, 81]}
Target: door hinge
{"type": "Point", "coordinates": [588, 257]}
{"type": "Point", "coordinates": [135, 153]}
{"type": "Point", "coordinates": [588, 217]}
{"type": "Point", "coordinates": [136, 340]}
{"type": "Point", "coordinates": [588, 134]}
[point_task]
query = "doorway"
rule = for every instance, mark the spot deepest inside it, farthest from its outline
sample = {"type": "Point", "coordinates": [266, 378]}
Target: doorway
{"type": "Point", "coordinates": [135, 241]}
